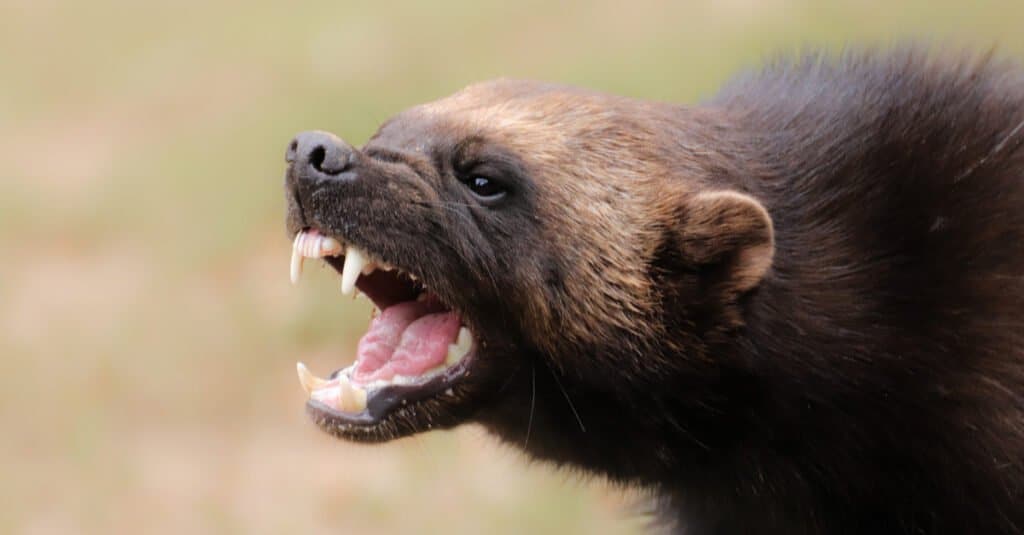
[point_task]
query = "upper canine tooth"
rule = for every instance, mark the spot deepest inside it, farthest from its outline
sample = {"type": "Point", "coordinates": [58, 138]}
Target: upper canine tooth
{"type": "Point", "coordinates": [296, 264]}
{"type": "Point", "coordinates": [354, 262]}
{"type": "Point", "coordinates": [308, 381]}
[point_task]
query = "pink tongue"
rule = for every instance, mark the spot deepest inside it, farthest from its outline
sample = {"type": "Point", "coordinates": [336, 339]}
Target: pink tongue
{"type": "Point", "coordinates": [408, 338]}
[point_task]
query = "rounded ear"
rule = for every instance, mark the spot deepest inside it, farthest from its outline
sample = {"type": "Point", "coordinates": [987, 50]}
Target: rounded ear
{"type": "Point", "coordinates": [731, 230]}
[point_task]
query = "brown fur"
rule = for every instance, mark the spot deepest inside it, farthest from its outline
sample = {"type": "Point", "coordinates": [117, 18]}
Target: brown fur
{"type": "Point", "coordinates": [583, 149]}
{"type": "Point", "coordinates": [797, 308]}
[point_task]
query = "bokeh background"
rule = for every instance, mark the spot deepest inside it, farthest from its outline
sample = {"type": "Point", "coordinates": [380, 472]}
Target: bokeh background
{"type": "Point", "coordinates": [148, 333]}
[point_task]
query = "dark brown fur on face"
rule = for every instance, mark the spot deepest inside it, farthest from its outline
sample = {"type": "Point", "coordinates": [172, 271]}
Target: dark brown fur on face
{"type": "Point", "coordinates": [797, 308]}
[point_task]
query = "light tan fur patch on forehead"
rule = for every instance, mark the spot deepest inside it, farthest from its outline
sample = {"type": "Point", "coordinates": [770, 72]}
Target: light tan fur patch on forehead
{"type": "Point", "coordinates": [592, 166]}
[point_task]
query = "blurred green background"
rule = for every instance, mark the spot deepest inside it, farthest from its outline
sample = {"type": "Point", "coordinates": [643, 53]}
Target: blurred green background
{"type": "Point", "coordinates": [148, 333]}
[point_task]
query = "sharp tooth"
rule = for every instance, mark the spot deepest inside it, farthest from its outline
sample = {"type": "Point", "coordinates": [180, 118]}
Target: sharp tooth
{"type": "Point", "coordinates": [309, 381]}
{"type": "Point", "coordinates": [359, 396]}
{"type": "Point", "coordinates": [354, 262]}
{"type": "Point", "coordinates": [369, 268]}
{"type": "Point", "coordinates": [465, 338]}
{"type": "Point", "coordinates": [460, 348]}
{"type": "Point", "coordinates": [344, 386]}
{"type": "Point", "coordinates": [351, 398]}
{"type": "Point", "coordinates": [296, 265]}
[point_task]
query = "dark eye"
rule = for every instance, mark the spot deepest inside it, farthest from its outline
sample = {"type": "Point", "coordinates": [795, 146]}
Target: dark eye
{"type": "Point", "coordinates": [484, 188]}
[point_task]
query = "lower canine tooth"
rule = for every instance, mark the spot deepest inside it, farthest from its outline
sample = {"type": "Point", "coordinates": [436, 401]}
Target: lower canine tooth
{"type": "Point", "coordinates": [308, 381]}
{"type": "Point", "coordinates": [351, 398]}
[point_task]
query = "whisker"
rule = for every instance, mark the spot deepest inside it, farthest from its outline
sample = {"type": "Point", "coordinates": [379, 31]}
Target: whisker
{"type": "Point", "coordinates": [533, 402]}
{"type": "Point", "coordinates": [567, 400]}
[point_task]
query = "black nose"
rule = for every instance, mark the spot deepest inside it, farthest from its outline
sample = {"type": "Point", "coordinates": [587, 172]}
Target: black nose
{"type": "Point", "coordinates": [319, 153]}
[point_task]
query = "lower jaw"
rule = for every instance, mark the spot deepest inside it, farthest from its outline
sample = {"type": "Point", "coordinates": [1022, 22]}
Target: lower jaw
{"type": "Point", "coordinates": [398, 423]}
{"type": "Point", "coordinates": [386, 400]}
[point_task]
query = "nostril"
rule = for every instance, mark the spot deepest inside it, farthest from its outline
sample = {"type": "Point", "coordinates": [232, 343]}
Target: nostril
{"type": "Point", "coordinates": [329, 159]}
{"type": "Point", "coordinates": [316, 158]}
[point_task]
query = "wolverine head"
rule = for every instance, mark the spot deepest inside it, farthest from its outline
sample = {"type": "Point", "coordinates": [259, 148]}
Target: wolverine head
{"type": "Point", "coordinates": [531, 248]}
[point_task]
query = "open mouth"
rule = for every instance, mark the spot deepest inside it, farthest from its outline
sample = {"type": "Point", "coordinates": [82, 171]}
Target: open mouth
{"type": "Point", "coordinates": [415, 348]}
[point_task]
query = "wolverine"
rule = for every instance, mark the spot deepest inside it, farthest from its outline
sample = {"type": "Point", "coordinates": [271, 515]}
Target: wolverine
{"type": "Point", "coordinates": [796, 308]}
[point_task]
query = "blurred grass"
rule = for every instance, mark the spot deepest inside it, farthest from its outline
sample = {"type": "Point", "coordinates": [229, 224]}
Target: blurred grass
{"type": "Point", "coordinates": [147, 330]}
